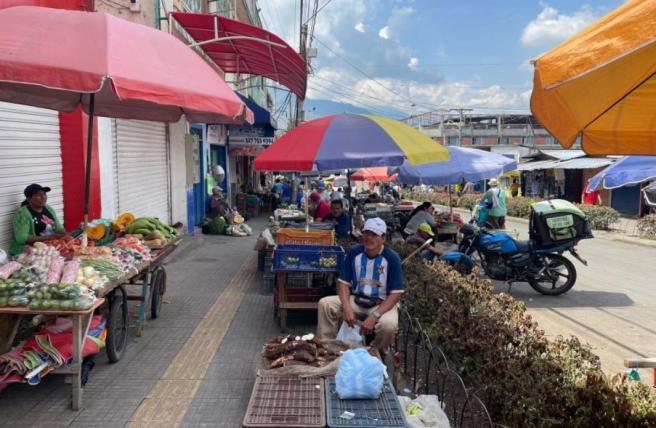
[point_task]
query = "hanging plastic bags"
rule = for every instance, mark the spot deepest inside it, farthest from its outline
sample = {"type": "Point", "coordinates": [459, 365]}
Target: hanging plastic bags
{"type": "Point", "coordinates": [349, 334]}
{"type": "Point", "coordinates": [359, 376]}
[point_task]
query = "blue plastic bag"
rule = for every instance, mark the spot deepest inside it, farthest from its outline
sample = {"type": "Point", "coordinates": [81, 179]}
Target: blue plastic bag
{"type": "Point", "coordinates": [359, 375]}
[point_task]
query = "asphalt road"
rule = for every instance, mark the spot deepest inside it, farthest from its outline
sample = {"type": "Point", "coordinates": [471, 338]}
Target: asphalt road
{"type": "Point", "coordinates": [611, 306]}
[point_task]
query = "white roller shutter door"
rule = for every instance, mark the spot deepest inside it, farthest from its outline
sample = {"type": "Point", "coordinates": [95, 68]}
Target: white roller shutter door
{"type": "Point", "coordinates": [141, 164]}
{"type": "Point", "coordinates": [30, 152]}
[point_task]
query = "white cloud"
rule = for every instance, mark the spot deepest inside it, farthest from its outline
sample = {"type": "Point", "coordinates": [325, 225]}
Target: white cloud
{"type": "Point", "coordinates": [414, 62]}
{"type": "Point", "coordinates": [342, 85]}
{"type": "Point", "coordinates": [384, 32]}
{"type": "Point", "coordinates": [359, 27]}
{"type": "Point", "coordinates": [551, 27]}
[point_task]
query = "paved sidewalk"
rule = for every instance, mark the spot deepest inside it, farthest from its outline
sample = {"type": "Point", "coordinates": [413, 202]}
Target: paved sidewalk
{"type": "Point", "coordinates": [193, 366]}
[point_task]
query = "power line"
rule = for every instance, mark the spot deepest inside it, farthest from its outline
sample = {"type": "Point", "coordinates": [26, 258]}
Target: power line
{"type": "Point", "coordinates": [314, 15]}
{"type": "Point", "coordinates": [359, 70]}
{"type": "Point", "coordinates": [350, 98]}
{"type": "Point", "coordinates": [360, 94]}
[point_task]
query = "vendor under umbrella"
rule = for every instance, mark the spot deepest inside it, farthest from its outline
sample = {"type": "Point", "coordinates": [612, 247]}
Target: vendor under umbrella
{"type": "Point", "coordinates": [35, 220]}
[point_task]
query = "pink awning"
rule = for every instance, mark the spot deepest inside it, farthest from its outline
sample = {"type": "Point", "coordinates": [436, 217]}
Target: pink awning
{"type": "Point", "coordinates": [56, 59]}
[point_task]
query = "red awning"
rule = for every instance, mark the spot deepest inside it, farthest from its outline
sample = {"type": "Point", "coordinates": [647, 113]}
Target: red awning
{"type": "Point", "coordinates": [237, 47]}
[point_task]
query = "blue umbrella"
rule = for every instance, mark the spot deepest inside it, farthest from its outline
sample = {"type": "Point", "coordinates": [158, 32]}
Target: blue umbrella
{"type": "Point", "coordinates": [463, 164]}
{"type": "Point", "coordinates": [627, 171]}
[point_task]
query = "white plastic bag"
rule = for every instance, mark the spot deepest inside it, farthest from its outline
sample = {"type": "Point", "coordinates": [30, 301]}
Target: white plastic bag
{"type": "Point", "coordinates": [359, 376]}
{"type": "Point", "coordinates": [349, 334]}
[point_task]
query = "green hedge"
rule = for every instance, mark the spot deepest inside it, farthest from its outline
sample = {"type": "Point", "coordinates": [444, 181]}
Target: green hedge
{"type": "Point", "coordinates": [524, 379]}
{"type": "Point", "coordinates": [600, 217]}
{"type": "Point", "coordinates": [647, 226]}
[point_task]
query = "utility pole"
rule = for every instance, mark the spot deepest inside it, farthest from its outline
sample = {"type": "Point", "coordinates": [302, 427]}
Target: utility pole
{"type": "Point", "coordinates": [302, 49]}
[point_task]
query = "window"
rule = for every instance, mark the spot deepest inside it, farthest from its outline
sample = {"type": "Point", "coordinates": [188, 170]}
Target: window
{"type": "Point", "coordinates": [528, 141]}
{"type": "Point", "coordinates": [452, 141]}
{"type": "Point", "coordinates": [551, 141]}
{"type": "Point", "coordinates": [478, 141]}
{"type": "Point", "coordinates": [504, 140]}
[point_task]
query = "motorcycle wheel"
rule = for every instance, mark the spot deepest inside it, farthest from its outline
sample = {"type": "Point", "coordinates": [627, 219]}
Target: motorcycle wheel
{"type": "Point", "coordinates": [557, 277]}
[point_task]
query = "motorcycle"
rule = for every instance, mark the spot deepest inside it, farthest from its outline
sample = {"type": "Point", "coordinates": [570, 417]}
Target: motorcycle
{"type": "Point", "coordinates": [504, 258]}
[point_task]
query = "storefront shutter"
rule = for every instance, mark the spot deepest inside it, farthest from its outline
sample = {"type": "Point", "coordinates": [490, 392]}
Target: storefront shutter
{"type": "Point", "coordinates": [141, 168]}
{"type": "Point", "coordinates": [30, 152]}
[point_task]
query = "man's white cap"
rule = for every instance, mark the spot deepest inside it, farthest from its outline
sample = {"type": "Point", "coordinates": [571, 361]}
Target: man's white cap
{"type": "Point", "coordinates": [493, 182]}
{"type": "Point", "coordinates": [375, 225]}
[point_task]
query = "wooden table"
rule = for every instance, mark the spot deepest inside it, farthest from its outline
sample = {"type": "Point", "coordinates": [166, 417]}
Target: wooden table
{"type": "Point", "coordinates": [81, 323]}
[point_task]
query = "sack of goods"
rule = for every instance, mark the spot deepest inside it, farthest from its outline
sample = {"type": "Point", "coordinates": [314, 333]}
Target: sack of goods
{"type": "Point", "coordinates": [359, 376]}
{"type": "Point", "coordinates": [556, 221]}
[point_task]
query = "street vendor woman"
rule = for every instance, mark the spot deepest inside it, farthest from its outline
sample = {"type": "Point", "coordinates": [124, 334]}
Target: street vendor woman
{"type": "Point", "coordinates": [217, 205]}
{"type": "Point", "coordinates": [370, 285]}
{"type": "Point", "coordinates": [35, 220]}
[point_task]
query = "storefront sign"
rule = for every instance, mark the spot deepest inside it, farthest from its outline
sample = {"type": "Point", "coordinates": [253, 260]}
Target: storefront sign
{"type": "Point", "coordinates": [247, 141]}
{"type": "Point", "coordinates": [216, 134]}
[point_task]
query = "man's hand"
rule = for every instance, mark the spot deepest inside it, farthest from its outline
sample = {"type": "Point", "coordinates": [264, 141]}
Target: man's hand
{"type": "Point", "coordinates": [349, 316]}
{"type": "Point", "coordinates": [368, 325]}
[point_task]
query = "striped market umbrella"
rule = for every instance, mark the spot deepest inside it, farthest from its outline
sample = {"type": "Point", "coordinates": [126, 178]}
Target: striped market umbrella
{"type": "Point", "coordinates": [350, 141]}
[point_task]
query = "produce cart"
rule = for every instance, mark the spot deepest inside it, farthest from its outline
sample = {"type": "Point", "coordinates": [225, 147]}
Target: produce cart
{"type": "Point", "coordinates": [305, 265]}
{"type": "Point", "coordinates": [151, 277]}
{"type": "Point", "coordinates": [81, 322]}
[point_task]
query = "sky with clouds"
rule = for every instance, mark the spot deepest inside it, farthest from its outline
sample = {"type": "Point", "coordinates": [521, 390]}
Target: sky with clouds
{"type": "Point", "coordinates": [404, 57]}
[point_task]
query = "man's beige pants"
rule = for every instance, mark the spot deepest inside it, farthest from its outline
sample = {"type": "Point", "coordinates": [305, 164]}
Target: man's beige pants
{"type": "Point", "coordinates": [330, 319]}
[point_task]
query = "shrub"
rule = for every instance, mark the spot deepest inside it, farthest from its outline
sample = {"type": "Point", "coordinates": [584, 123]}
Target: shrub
{"type": "Point", "coordinates": [523, 378]}
{"type": "Point", "coordinates": [520, 206]}
{"type": "Point", "coordinates": [647, 226]}
{"type": "Point", "coordinates": [600, 217]}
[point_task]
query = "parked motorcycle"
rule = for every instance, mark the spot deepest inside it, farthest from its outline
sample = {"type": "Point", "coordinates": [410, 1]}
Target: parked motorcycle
{"type": "Point", "coordinates": [555, 227]}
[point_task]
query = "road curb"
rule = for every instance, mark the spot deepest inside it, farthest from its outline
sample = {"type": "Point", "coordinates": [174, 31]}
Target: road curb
{"type": "Point", "coordinates": [601, 234]}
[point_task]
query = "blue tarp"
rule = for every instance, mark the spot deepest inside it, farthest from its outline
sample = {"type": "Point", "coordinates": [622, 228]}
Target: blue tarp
{"type": "Point", "coordinates": [464, 164]}
{"type": "Point", "coordinates": [628, 171]}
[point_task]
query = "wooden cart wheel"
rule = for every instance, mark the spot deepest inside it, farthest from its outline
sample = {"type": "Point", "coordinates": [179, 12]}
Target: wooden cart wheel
{"type": "Point", "coordinates": [157, 290]}
{"type": "Point", "coordinates": [117, 324]}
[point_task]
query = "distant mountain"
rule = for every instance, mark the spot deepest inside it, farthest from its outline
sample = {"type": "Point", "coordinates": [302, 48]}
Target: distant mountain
{"type": "Point", "coordinates": [319, 108]}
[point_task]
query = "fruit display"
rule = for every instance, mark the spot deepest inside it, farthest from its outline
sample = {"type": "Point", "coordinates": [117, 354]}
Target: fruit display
{"type": "Point", "coordinates": [7, 270]}
{"type": "Point", "coordinates": [66, 297]}
{"type": "Point", "coordinates": [133, 244]}
{"type": "Point", "coordinates": [39, 258]}
{"type": "Point", "coordinates": [91, 279]}
{"type": "Point", "coordinates": [96, 253]}
{"type": "Point", "coordinates": [328, 262]}
{"type": "Point", "coordinates": [123, 221]}
{"type": "Point", "coordinates": [96, 232]}
{"type": "Point", "coordinates": [104, 268]}
{"type": "Point", "coordinates": [145, 226]}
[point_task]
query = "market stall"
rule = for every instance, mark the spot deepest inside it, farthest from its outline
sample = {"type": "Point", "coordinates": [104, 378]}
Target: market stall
{"type": "Point", "coordinates": [70, 290]}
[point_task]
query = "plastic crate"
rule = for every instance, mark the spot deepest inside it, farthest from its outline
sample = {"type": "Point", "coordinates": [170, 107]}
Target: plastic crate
{"type": "Point", "coordinates": [299, 280]}
{"type": "Point", "coordinates": [301, 237]}
{"type": "Point", "coordinates": [282, 401]}
{"type": "Point", "coordinates": [307, 258]}
{"type": "Point", "coordinates": [268, 284]}
{"type": "Point", "coordinates": [386, 411]}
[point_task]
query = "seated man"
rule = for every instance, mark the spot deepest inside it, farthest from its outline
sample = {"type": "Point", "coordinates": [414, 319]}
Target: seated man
{"type": "Point", "coordinates": [423, 233]}
{"type": "Point", "coordinates": [370, 284]}
{"type": "Point", "coordinates": [340, 219]}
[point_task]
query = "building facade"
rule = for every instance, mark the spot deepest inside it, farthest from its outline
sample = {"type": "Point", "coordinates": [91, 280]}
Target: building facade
{"type": "Point", "coordinates": [149, 168]}
{"type": "Point", "coordinates": [545, 169]}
